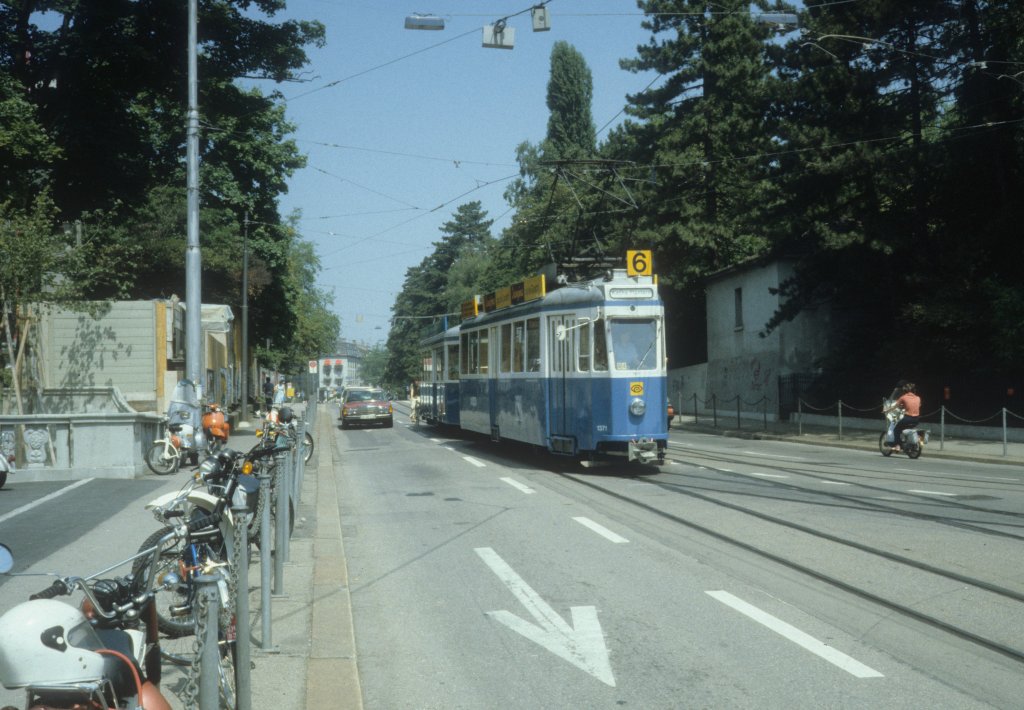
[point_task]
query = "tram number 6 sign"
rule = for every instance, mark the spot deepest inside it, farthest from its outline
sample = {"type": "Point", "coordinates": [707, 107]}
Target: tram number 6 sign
{"type": "Point", "coordinates": [639, 263]}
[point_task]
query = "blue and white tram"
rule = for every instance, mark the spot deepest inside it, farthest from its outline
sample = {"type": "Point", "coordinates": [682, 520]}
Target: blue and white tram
{"type": "Point", "coordinates": [580, 371]}
{"type": "Point", "coordinates": [439, 389]}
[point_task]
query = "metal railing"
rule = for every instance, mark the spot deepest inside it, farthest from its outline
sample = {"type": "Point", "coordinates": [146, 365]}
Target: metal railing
{"type": "Point", "coordinates": [280, 484]}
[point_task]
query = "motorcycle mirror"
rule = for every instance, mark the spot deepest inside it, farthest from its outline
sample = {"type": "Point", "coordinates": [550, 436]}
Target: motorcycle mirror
{"type": "Point", "coordinates": [6, 559]}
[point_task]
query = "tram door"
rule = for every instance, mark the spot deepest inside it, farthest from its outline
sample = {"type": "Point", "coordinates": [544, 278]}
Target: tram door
{"type": "Point", "coordinates": [561, 356]}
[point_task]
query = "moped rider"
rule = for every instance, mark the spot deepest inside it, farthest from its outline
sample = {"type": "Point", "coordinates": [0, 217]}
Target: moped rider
{"type": "Point", "coordinates": [911, 405]}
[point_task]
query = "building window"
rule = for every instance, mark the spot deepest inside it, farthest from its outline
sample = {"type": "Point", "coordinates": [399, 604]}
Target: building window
{"type": "Point", "coordinates": [738, 293]}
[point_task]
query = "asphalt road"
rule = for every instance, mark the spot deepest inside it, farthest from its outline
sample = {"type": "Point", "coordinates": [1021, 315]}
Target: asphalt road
{"type": "Point", "coordinates": [740, 574]}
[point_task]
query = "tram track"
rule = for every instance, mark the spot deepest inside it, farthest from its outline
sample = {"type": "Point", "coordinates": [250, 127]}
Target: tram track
{"type": "Point", "coordinates": [1009, 519]}
{"type": "Point", "coordinates": [952, 608]}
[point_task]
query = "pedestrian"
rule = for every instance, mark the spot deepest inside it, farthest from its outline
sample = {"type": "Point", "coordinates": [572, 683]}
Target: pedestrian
{"type": "Point", "coordinates": [268, 392]}
{"type": "Point", "coordinates": [279, 393]}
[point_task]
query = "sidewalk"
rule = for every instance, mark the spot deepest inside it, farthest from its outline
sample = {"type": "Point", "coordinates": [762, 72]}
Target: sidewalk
{"type": "Point", "coordinates": [977, 450]}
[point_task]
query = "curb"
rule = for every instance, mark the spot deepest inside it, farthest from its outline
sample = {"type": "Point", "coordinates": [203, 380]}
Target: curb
{"type": "Point", "coordinates": [332, 676]}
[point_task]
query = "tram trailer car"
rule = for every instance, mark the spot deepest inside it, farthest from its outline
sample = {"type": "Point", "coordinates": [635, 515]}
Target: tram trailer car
{"type": "Point", "coordinates": [580, 371]}
{"type": "Point", "coordinates": [439, 389]}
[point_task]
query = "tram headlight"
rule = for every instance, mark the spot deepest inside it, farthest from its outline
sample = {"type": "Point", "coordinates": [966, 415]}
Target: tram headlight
{"type": "Point", "coordinates": [637, 407]}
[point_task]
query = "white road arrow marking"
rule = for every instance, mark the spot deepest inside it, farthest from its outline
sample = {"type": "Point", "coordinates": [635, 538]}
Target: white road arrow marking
{"type": "Point", "coordinates": [582, 643]}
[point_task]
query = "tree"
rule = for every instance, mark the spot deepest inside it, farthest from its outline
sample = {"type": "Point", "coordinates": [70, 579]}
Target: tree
{"type": "Point", "coordinates": [549, 212]}
{"type": "Point", "coordinates": [697, 135]}
{"type": "Point", "coordinates": [432, 291]}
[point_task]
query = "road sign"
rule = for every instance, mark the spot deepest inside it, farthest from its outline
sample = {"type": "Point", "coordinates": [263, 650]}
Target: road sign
{"type": "Point", "coordinates": [312, 367]}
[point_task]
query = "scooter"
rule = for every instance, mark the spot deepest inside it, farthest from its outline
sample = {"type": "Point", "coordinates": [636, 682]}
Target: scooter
{"type": "Point", "coordinates": [102, 654]}
{"type": "Point", "coordinates": [6, 467]}
{"type": "Point", "coordinates": [215, 426]}
{"type": "Point", "coordinates": [912, 440]}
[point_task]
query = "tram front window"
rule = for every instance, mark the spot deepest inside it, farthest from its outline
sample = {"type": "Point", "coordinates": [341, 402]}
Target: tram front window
{"type": "Point", "coordinates": [634, 344]}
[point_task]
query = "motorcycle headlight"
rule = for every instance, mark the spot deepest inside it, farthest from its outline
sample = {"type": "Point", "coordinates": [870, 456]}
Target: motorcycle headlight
{"type": "Point", "coordinates": [637, 407]}
{"type": "Point", "coordinates": [209, 468]}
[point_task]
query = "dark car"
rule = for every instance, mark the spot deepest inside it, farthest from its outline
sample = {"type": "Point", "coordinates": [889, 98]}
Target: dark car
{"type": "Point", "coordinates": [362, 406]}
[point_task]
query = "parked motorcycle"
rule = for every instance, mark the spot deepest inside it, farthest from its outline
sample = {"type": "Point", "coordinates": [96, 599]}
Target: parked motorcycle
{"type": "Point", "coordinates": [102, 654]}
{"type": "Point", "coordinates": [220, 483]}
{"type": "Point", "coordinates": [912, 440]}
{"type": "Point", "coordinates": [281, 420]}
{"type": "Point", "coordinates": [215, 426]}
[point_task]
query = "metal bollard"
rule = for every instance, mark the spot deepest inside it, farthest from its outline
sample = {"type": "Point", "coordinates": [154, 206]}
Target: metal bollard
{"type": "Point", "coordinates": [283, 504]}
{"type": "Point", "coordinates": [243, 635]}
{"type": "Point", "coordinates": [209, 662]}
{"type": "Point", "coordinates": [279, 471]}
{"type": "Point", "coordinates": [266, 634]}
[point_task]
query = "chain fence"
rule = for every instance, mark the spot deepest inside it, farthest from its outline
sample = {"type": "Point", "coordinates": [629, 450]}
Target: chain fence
{"type": "Point", "coordinates": [720, 408]}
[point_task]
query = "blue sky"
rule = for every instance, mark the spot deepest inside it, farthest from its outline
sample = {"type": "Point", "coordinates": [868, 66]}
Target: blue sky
{"type": "Point", "coordinates": [401, 126]}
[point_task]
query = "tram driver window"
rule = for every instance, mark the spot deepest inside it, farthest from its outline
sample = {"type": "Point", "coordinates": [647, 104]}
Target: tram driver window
{"type": "Point", "coordinates": [600, 347]}
{"type": "Point", "coordinates": [533, 344]}
{"type": "Point", "coordinates": [635, 343]}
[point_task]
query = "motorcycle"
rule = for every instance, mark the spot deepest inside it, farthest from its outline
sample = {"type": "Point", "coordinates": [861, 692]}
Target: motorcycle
{"type": "Point", "coordinates": [101, 654]}
{"type": "Point", "coordinates": [220, 483]}
{"type": "Point", "coordinates": [912, 440]}
{"type": "Point", "coordinates": [282, 421]}
{"type": "Point", "coordinates": [215, 426]}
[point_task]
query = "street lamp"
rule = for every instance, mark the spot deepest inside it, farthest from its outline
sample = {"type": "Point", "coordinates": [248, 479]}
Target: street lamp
{"type": "Point", "coordinates": [416, 21]}
{"type": "Point", "coordinates": [782, 20]}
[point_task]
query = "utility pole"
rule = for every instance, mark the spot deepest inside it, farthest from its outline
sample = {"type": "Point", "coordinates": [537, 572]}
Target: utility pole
{"type": "Point", "coordinates": [193, 262]}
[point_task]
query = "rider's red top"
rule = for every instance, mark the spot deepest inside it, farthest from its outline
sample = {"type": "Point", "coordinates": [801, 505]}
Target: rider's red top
{"type": "Point", "coordinates": [911, 403]}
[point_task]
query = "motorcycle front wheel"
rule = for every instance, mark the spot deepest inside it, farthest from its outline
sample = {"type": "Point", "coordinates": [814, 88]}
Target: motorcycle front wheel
{"type": "Point", "coordinates": [307, 447]}
{"type": "Point", "coordinates": [160, 462]}
{"type": "Point", "coordinates": [885, 448]}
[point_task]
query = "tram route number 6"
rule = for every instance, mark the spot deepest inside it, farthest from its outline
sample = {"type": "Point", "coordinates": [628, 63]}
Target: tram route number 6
{"type": "Point", "coordinates": [639, 262]}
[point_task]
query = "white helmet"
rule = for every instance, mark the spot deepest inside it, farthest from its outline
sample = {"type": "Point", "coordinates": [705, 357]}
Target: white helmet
{"type": "Point", "coordinates": [44, 642]}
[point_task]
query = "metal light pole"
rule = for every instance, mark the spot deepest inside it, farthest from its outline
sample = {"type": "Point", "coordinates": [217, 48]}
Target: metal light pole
{"type": "Point", "coordinates": [244, 416]}
{"type": "Point", "coordinates": [193, 263]}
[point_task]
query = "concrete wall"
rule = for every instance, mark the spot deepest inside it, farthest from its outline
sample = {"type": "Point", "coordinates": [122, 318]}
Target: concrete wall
{"type": "Point", "coordinates": [743, 361]}
{"type": "Point", "coordinates": [87, 432]}
{"type": "Point", "coordinates": [115, 348]}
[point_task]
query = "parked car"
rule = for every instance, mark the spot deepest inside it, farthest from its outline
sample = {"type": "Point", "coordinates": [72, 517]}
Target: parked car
{"type": "Point", "coordinates": [364, 406]}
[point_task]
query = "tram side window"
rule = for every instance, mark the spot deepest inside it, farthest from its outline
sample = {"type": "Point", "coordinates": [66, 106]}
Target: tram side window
{"type": "Point", "coordinates": [584, 347]}
{"type": "Point", "coordinates": [464, 353]}
{"type": "Point", "coordinates": [484, 353]}
{"type": "Point", "coordinates": [506, 347]}
{"type": "Point", "coordinates": [438, 357]}
{"type": "Point", "coordinates": [554, 347]}
{"type": "Point", "coordinates": [600, 347]}
{"type": "Point", "coordinates": [518, 335]}
{"type": "Point", "coordinates": [453, 362]}
{"type": "Point", "coordinates": [533, 344]}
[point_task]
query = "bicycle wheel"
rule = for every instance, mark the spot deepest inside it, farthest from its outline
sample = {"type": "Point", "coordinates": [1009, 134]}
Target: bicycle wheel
{"type": "Point", "coordinates": [227, 671]}
{"type": "Point", "coordinates": [160, 459]}
{"type": "Point", "coordinates": [174, 605]}
{"type": "Point", "coordinates": [307, 447]}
